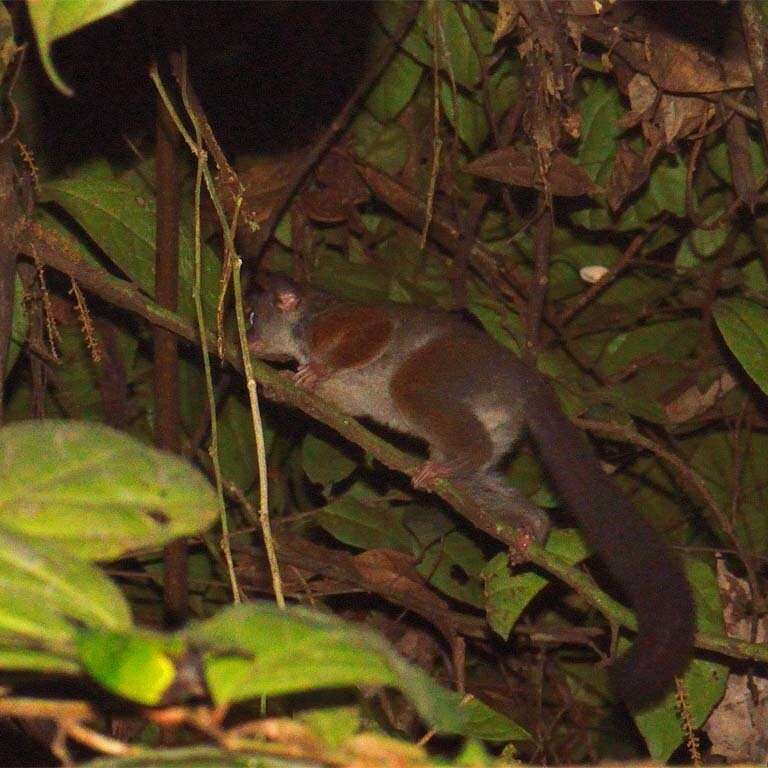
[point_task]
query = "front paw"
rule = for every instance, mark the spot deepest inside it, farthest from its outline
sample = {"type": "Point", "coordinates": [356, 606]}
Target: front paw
{"type": "Point", "coordinates": [425, 477]}
{"type": "Point", "coordinates": [308, 376]}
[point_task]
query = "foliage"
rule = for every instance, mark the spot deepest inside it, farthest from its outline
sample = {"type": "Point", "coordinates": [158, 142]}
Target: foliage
{"type": "Point", "coordinates": [486, 125]}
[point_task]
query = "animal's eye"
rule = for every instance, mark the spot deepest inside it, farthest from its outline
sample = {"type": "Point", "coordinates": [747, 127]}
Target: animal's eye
{"type": "Point", "coordinates": [251, 319]}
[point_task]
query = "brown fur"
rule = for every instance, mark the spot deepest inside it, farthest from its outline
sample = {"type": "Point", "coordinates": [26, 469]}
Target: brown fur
{"type": "Point", "coordinates": [349, 336]}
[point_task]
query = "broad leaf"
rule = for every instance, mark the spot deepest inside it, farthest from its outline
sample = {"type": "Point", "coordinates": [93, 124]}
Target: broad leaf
{"type": "Point", "coordinates": [52, 19]}
{"type": "Point", "coordinates": [744, 325]}
{"type": "Point", "coordinates": [96, 492]}
{"type": "Point", "coordinates": [259, 650]}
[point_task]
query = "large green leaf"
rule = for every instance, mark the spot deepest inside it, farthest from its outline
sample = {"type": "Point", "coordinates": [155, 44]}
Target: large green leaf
{"type": "Point", "coordinates": [394, 88]}
{"type": "Point", "coordinates": [734, 473]}
{"type": "Point", "coordinates": [47, 576]}
{"type": "Point", "coordinates": [744, 325]}
{"type": "Point", "coordinates": [122, 223]}
{"type": "Point", "coordinates": [462, 36]}
{"type": "Point", "coordinates": [507, 595]}
{"type": "Point", "coordinates": [324, 463]}
{"type": "Point", "coordinates": [96, 492]}
{"type": "Point", "coordinates": [600, 110]}
{"type": "Point", "coordinates": [465, 115]}
{"type": "Point", "coordinates": [256, 649]}
{"type": "Point", "coordinates": [138, 666]}
{"type": "Point", "coordinates": [52, 19]}
{"type": "Point", "coordinates": [446, 558]}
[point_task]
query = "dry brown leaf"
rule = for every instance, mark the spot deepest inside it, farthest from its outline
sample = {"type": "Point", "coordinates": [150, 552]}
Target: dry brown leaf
{"type": "Point", "coordinates": [506, 19]}
{"type": "Point", "coordinates": [517, 167]}
{"type": "Point", "coordinates": [738, 724]}
{"type": "Point", "coordinates": [628, 173]}
{"type": "Point", "coordinates": [693, 402]}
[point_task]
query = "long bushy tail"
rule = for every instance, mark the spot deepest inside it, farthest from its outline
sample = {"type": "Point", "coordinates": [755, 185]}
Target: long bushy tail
{"type": "Point", "coordinates": [638, 558]}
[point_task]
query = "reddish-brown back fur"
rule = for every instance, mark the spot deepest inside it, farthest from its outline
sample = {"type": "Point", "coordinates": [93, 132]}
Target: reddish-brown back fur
{"type": "Point", "coordinates": [432, 396]}
{"type": "Point", "coordinates": [348, 336]}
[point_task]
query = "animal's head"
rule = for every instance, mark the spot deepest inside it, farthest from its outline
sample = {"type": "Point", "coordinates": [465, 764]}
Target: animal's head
{"type": "Point", "coordinates": [275, 308]}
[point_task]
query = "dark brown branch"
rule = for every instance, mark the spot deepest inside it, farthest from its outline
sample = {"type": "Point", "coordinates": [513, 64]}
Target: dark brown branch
{"type": "Point", "coordinates": [542, 244]}
{"type": "Point", "coordinates": [166, 353]}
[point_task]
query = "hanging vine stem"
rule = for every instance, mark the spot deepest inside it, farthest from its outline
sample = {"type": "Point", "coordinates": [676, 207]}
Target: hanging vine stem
{"type": "Point", "coordinates": [229, 244]}
{"type": "Point", "coordinates": [213, 449]}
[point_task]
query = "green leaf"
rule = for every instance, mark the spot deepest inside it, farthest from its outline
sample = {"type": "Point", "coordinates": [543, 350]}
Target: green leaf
{"type": "Point", "coordinates": [731, 467]}
{"type": "Point", "coordinates": [36, 661]}
{"type": "Point", "coordinates": [383, 147]}
{"type": "Point", "coordinates": [394, 88]}
{"type": "Point", "coordinates": [256, 649]}
{"type": "Point", "coordinates": [138, 667]}
{"type": "Point", "coordinates": [52, 19]}
{"type": "Point", "coordinates": [22, 620]}
{"type": "Point", "coordinates": [334, 725]}
{"type": "Point", "coordinates": [47, 576]}
{"type": "Point", "coordinates": [390, 14]}
{"type": "Point", "coordinates": [459, 40]}
{"type": "Point", "coordinates": [447, 559]}
{"type": "Point", "coordinates": [237, 444]}
{"type": "Point", "coordinates": [96, 492]}
{"type": "Point", "coordinates": [718, 160]}
{"type": "Point", "coordinates": [366, 523]}
{"type": "Point", "coordinates": [674, 339]}
{"type": "Point", "coordinates": [744, 325]}
{"type": "Point", "coordinates": [76, 381]}
{"type": "Point", "coordinates": [453, 564]}
{"type": "Point", "coordinates": [667, 186]}
{"type": "Point", "coordinates": [19, 326]}
{"type": "Point", "coordinates": [600, 110]}
{"type": "Point", "coordinates": [465, 115]}
{"type": "Point", "coordinates": [122, 223]}
{"type": "Point", "coordinates": [507, 596]}
{"type": "Point", "coordinates": [324, 463]}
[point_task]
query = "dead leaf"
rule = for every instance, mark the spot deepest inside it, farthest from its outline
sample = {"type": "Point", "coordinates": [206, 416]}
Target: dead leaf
{"type": "Point", "coordinates": [327, 205]}
{"type": "Point", "coordinates": [567, 179]}
{"type": "Point", "coordinates": [506, 19]}
{"type": "Point", "coordinates": [681, 66]}
{"type": "Point", "coordinates": [628, 173]}
{"type": "Point", "coordinates": [740, 160]}
{"type": "Point", "coordinates": [693, 402]}
{"type": "Point", "coordinates": [516, 167]}
{"type": "Point", "coordinates": [264, 180]}
{"type": "Point", "coordinates": [738, 724]}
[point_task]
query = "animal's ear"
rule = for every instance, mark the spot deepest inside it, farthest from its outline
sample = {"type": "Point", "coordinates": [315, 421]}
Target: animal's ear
{"type": "Point", "coordinates": [287, 299]}
{"type": "Point", "coordinates": [286, 294]}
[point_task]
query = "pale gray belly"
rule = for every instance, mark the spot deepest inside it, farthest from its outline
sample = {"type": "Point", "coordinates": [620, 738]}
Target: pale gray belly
{"type": "Point", "coordinates": [364, 393]}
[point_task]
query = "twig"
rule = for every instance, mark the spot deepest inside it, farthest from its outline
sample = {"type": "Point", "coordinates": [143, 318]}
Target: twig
{"type": "Point", "coordinates": [213, 449]}
{"type": "Point", "coordinates": [166, 353]}
{"type": "Point", "coordinates": [542, 244]}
